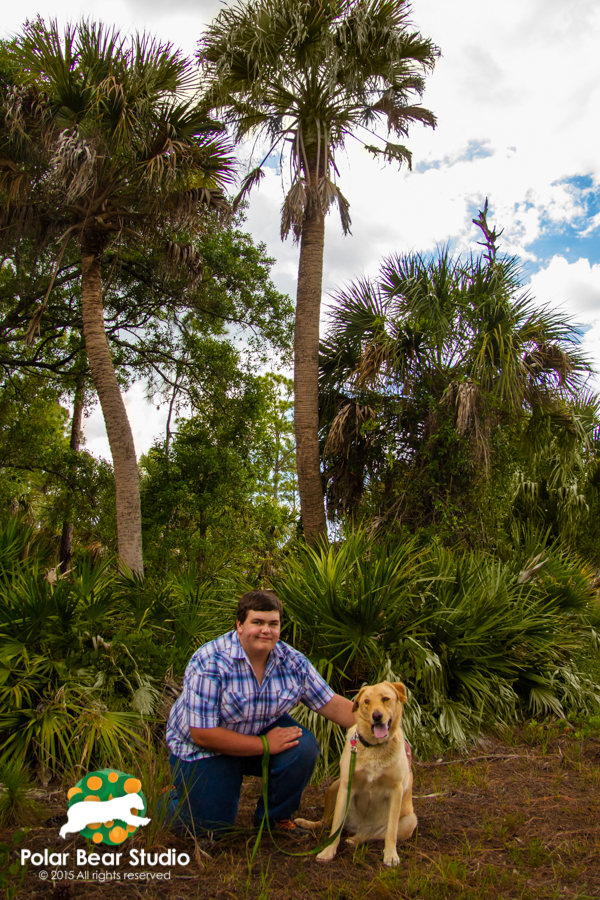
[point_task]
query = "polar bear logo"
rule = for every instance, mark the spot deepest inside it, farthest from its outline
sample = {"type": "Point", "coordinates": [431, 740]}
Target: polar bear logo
{"type": "Point", "coordinates": [80, 815]}
{"type": "Point", "coordinates": [117, 809]}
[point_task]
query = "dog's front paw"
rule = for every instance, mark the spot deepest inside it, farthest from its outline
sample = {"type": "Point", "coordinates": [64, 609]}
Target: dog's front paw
{"type": "Point", "coordinates": [391, 859]}
{"type": "Point", "coordinates": [327, 854]}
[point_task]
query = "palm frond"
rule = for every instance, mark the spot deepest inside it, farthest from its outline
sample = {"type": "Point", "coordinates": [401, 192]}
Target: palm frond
{"type": "Point", "coordinates": [292, 212]}
{"type": "Point", "coordinates": [392, 152]}
{"type": "Point", "coordinates": [251, 180]}
{"type": "Point", "coordinates": [186, 255]}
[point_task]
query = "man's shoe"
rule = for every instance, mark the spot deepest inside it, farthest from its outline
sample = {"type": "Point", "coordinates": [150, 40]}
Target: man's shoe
{"type": "Point", "coordinates": [290, 829]}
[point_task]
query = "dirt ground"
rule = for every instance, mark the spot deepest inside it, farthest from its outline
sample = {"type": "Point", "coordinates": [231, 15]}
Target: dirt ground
{"type": "Point", "coordinates": [517, 818]}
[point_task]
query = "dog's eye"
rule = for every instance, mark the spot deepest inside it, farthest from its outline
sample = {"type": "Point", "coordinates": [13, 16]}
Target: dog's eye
{"type": "Point", "coordinates": [367, 702]}
{"type": "Point", "coordinates": [385, 699]}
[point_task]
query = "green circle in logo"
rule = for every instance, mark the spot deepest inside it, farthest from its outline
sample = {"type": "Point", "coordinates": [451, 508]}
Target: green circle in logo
{"type": "Point", "coordinates": [107, 784]}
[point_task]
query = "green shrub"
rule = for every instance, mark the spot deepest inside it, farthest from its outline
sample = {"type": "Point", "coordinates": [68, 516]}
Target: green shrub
{"type": "Point", "coordinates": [83, 659]}
{"type": "Point", "coordinates": [478, 642]}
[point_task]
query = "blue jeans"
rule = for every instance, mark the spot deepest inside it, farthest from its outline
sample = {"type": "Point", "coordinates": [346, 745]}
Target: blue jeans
{"type": "Point", "coordinates": [208, 790]}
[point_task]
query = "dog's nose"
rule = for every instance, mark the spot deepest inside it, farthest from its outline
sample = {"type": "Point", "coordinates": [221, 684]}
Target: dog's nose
{"type": "Point", "coordinates": [377, 716]}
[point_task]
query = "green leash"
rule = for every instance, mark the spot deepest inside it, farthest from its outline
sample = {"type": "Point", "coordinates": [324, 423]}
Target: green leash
{"type": "Point", "coordinates": [265, 778]}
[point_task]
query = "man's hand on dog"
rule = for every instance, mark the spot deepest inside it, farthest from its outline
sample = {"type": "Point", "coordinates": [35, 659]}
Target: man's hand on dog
{"type": "Point", "coordinates": [281, 739]}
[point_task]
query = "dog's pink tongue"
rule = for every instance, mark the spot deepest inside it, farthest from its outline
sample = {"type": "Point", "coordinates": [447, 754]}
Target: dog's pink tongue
{"type": "Point", "coordinates": [380, 730]}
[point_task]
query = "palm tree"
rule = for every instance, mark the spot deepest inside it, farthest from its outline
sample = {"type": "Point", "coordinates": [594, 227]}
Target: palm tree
{"type": "Point", "coordinates": [426, 364]}
{"type": "Point", "coordinates": [312, 73]}
{"type": "Point", "coordinates": [103, 145]}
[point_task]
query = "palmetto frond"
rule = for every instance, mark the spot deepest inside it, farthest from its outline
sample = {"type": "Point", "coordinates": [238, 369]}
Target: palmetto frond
{"type": "Point", "coordinates": [347, 426]}
{"type": "Point", "coordinates": [184, 204]}
{"type": "Point", "coordinates": [188, 256]}
{"type": "Point", "coordinates": [72, 165]}
{"type": "Point", "coordinates": [330, 193]}
{"type": "Point", "coordinates": [384, 347]}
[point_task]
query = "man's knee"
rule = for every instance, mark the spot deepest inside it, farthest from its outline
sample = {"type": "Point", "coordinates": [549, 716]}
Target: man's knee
{"type": "Point", "coordinates": [208, 790]}
{"type": "Point", "coordinates": [309, 747]}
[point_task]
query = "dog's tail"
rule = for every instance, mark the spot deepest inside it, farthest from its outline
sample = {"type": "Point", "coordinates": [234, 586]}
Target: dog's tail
{"type": "Point", "coordinates": [305, 823]}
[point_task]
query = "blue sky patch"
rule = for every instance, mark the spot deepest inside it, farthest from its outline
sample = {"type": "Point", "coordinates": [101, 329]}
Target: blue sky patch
{"type": "Point", "coordinates": [273, 161]}
{"type": "Point", "coordinates": [578, 238]}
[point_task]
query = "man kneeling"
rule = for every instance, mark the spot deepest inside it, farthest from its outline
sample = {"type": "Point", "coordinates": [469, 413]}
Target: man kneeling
{"type": "Point", "coordinates": [236, 688]}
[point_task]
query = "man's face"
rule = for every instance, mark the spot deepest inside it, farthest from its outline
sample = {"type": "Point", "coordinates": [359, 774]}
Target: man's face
{"type": "Point", "coordinates": [259, 632]}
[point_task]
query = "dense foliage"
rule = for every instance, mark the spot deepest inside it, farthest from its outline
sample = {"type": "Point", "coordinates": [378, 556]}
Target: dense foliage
{"type": "Point", "coordinates": [83, 659]}
{"type": "Point", "coordinates": [452, 404]}
{"type": "Point", "coordinates": [223, 488]}
{"type": "Point", "coordinates": [478, 641]}
{"type": "Point", "coordinates": [89, 663]}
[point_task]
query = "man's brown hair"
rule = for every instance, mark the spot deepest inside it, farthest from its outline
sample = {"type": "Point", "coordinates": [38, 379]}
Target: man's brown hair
{"type": "Point", "coordinates": [261, 601]}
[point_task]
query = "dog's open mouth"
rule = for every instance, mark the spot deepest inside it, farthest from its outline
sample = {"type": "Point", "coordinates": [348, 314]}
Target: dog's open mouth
{"type": "Point", "coordinates": [381, 729]}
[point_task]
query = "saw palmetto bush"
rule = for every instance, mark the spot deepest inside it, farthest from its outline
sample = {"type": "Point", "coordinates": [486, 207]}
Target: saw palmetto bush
{"type": "Point", "coordinates": [477, 641]}
{"type": "Point", "coordinates": [349, 602]}
{"type": "Point", "coordinates": [83, 659]}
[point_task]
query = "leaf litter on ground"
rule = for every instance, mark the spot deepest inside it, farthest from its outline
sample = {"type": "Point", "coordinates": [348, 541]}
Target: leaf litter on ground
{"type": "Point", "coordinates": [519, 817]}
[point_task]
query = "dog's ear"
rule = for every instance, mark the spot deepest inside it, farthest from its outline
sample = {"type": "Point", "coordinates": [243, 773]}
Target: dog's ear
{"type": "Point", "coordinates": [400, 690]}
{"type": "Point", "coordinates": [356, 699]}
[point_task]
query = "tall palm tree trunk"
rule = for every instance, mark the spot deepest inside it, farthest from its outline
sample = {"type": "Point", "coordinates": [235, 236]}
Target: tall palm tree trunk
{"type": "Point", "coordinates": [118, 429]}
{"type": "Point", "coordinates": [306, 375]}
{"type": "Point", "coordinates": [66, 541]}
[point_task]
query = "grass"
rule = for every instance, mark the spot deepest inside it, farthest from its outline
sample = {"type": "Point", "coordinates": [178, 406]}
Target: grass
{"type": "Point", "coordinates": [17, 805]}
{"type": "Point", "coordinates": [520, 824]}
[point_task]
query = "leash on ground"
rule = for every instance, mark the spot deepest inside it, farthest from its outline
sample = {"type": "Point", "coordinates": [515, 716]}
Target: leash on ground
{"type": "Point", "coordinates": [265, 784]}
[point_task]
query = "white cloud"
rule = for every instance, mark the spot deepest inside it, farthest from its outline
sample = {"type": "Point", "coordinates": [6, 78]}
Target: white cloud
{"type": "Point", "coordinates": [574, 287]}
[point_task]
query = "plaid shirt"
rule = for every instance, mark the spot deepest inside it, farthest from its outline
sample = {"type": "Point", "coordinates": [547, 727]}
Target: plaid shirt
{"type": "Point", "coordinates": [221, 689]}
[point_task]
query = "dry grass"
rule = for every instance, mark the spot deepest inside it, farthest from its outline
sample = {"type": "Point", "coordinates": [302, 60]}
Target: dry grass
{"type": "Point", "coordinates": [519, 818]}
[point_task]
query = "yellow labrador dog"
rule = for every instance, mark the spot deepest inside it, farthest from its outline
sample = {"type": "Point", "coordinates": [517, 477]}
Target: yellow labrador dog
{"type": "Point", "coordinates": [381, 800]}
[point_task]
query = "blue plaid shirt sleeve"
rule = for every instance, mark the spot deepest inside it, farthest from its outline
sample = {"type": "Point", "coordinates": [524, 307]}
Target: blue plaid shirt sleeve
{"type": "Point", "coordinates": [316, 690]}
{"type": "Point", "coordinates": [202, 700]}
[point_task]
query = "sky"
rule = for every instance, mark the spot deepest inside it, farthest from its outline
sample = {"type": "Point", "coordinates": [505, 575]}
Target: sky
{"type": "Point", "coordinates": [516, 93]}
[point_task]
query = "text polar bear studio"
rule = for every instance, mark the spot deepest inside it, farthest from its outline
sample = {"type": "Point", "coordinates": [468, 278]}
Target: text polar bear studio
{"type": "Point", "coordinates": [106, 807]}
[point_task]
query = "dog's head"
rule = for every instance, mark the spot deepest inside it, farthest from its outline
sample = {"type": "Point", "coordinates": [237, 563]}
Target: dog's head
{"type": "Point", "coordinates": [378, 709]}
